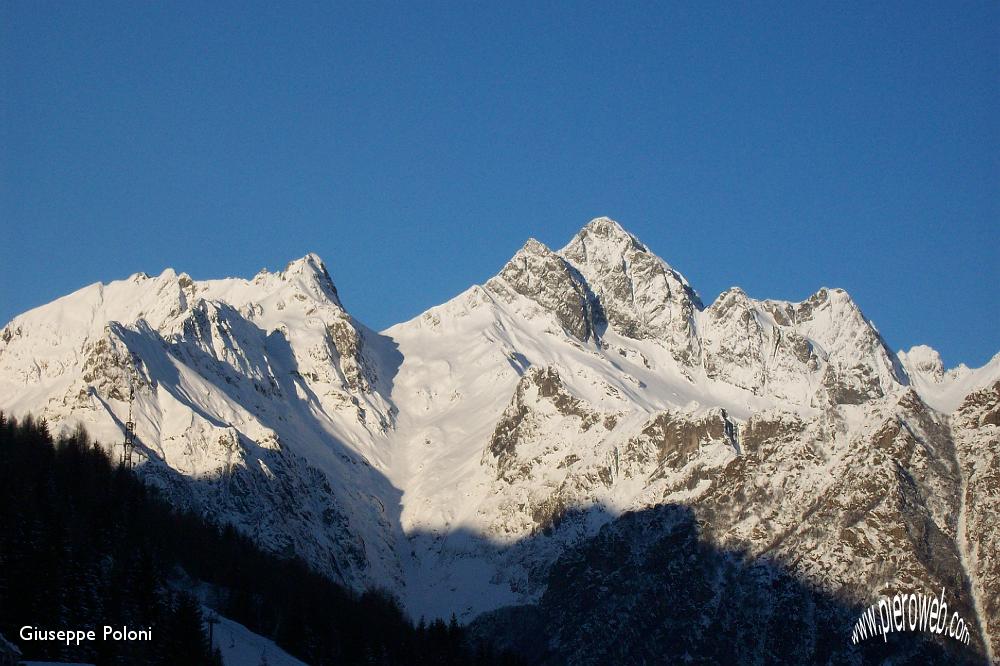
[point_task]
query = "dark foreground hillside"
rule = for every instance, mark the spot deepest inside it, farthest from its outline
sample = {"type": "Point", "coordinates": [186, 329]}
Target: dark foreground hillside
{"type": "Point", "coordinates": [650, 589]}
{"type": "Point", "coordinates": [83, 543]}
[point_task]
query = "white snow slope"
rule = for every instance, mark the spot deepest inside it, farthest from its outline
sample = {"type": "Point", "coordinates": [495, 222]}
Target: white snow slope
{"type": "Point", "coordinates": [242, 647]}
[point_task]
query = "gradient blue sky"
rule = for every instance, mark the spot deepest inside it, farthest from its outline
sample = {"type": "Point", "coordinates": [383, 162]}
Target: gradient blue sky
{"type": "Point", "coordinates": [416, 146]}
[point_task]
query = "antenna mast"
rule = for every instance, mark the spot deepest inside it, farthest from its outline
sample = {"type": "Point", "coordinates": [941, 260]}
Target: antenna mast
{"type": "Point", "coordinates": [129, 444]}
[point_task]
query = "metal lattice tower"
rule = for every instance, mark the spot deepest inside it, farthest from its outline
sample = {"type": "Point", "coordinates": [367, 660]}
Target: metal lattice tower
{"type": "Point", "coordinates": [129, 444]}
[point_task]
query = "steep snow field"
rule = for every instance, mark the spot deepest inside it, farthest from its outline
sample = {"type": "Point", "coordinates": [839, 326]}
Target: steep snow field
{"type": "Point", "coordinates": [242, 647]}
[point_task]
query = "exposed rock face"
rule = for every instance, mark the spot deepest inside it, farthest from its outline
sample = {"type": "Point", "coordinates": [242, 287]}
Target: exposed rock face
{"type": "Point", "coordinates": [977, 443]}
{"type": "Point", "coordinates": [735, 343]}
{"type": "Point", "coordinates": [820, 351]}
{"type": "Point", "coordinates": [108, 366]}
{"type": "Point", "coordinates": [345, 344]}
{"type": "Point", "coordinates": [857, 513]}
{"type": "Point", "coordinates": [538, 471]}
{"type": "Point", "coordinates": [538, 273]}
{"type": "Point", "coordinates": [788, 349]}
{"type": "Point", "coordinates": [641, 296]}
{"type": "Point", "coordinates": [810, 515]}
{"type": "Point", "coordinates": [670, 440]}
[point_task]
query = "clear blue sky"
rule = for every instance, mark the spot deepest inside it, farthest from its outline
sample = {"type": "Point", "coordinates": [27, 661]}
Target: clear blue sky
{"type": "Point", "coordinates": [415, 146]}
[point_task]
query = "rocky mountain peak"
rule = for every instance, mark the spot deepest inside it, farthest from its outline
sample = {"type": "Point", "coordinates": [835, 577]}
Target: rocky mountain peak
{"type": "Point", "coordinates": [311, 262]}
{"type": "Point", "coordinates": [539, 274]}
{"type": "Point", "coordinates": [830, 299]}
{"type": "Point", "coordinates": [534, 246]}
{"type": "Point", "coordinates": [641, 296]}
{"type": "Point", "coordinates": [311, 272]}
{"type": "Point", "coordinates": [730, 297]}
{"type": "Point", "coordinates": [607, 231]}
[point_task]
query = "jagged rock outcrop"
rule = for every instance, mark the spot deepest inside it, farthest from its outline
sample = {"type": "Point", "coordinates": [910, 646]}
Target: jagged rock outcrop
{"type": "Point", "coordinates": [641, 296]}
{"type": "Point", "coordinates": [977, 442]}
{"type": "Point", "coordinates": [540, 473]}
{"type": "Point", "coordinates": [669, 441]}
{"type": "Point", "coordinates": [541, 275]}
{"type": "Point", "coordinates": [822, 350]}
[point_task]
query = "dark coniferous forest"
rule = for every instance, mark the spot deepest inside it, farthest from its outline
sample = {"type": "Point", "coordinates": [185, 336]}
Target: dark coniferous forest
{"type": "Point", "coordinates": [84, 543]}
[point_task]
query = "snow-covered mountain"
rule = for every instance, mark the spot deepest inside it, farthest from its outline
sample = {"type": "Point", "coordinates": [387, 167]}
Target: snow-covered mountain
{"type": "Point", "coordinates": [256, 401]}
{"type": "Point", "coordinates": [457, 457]}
